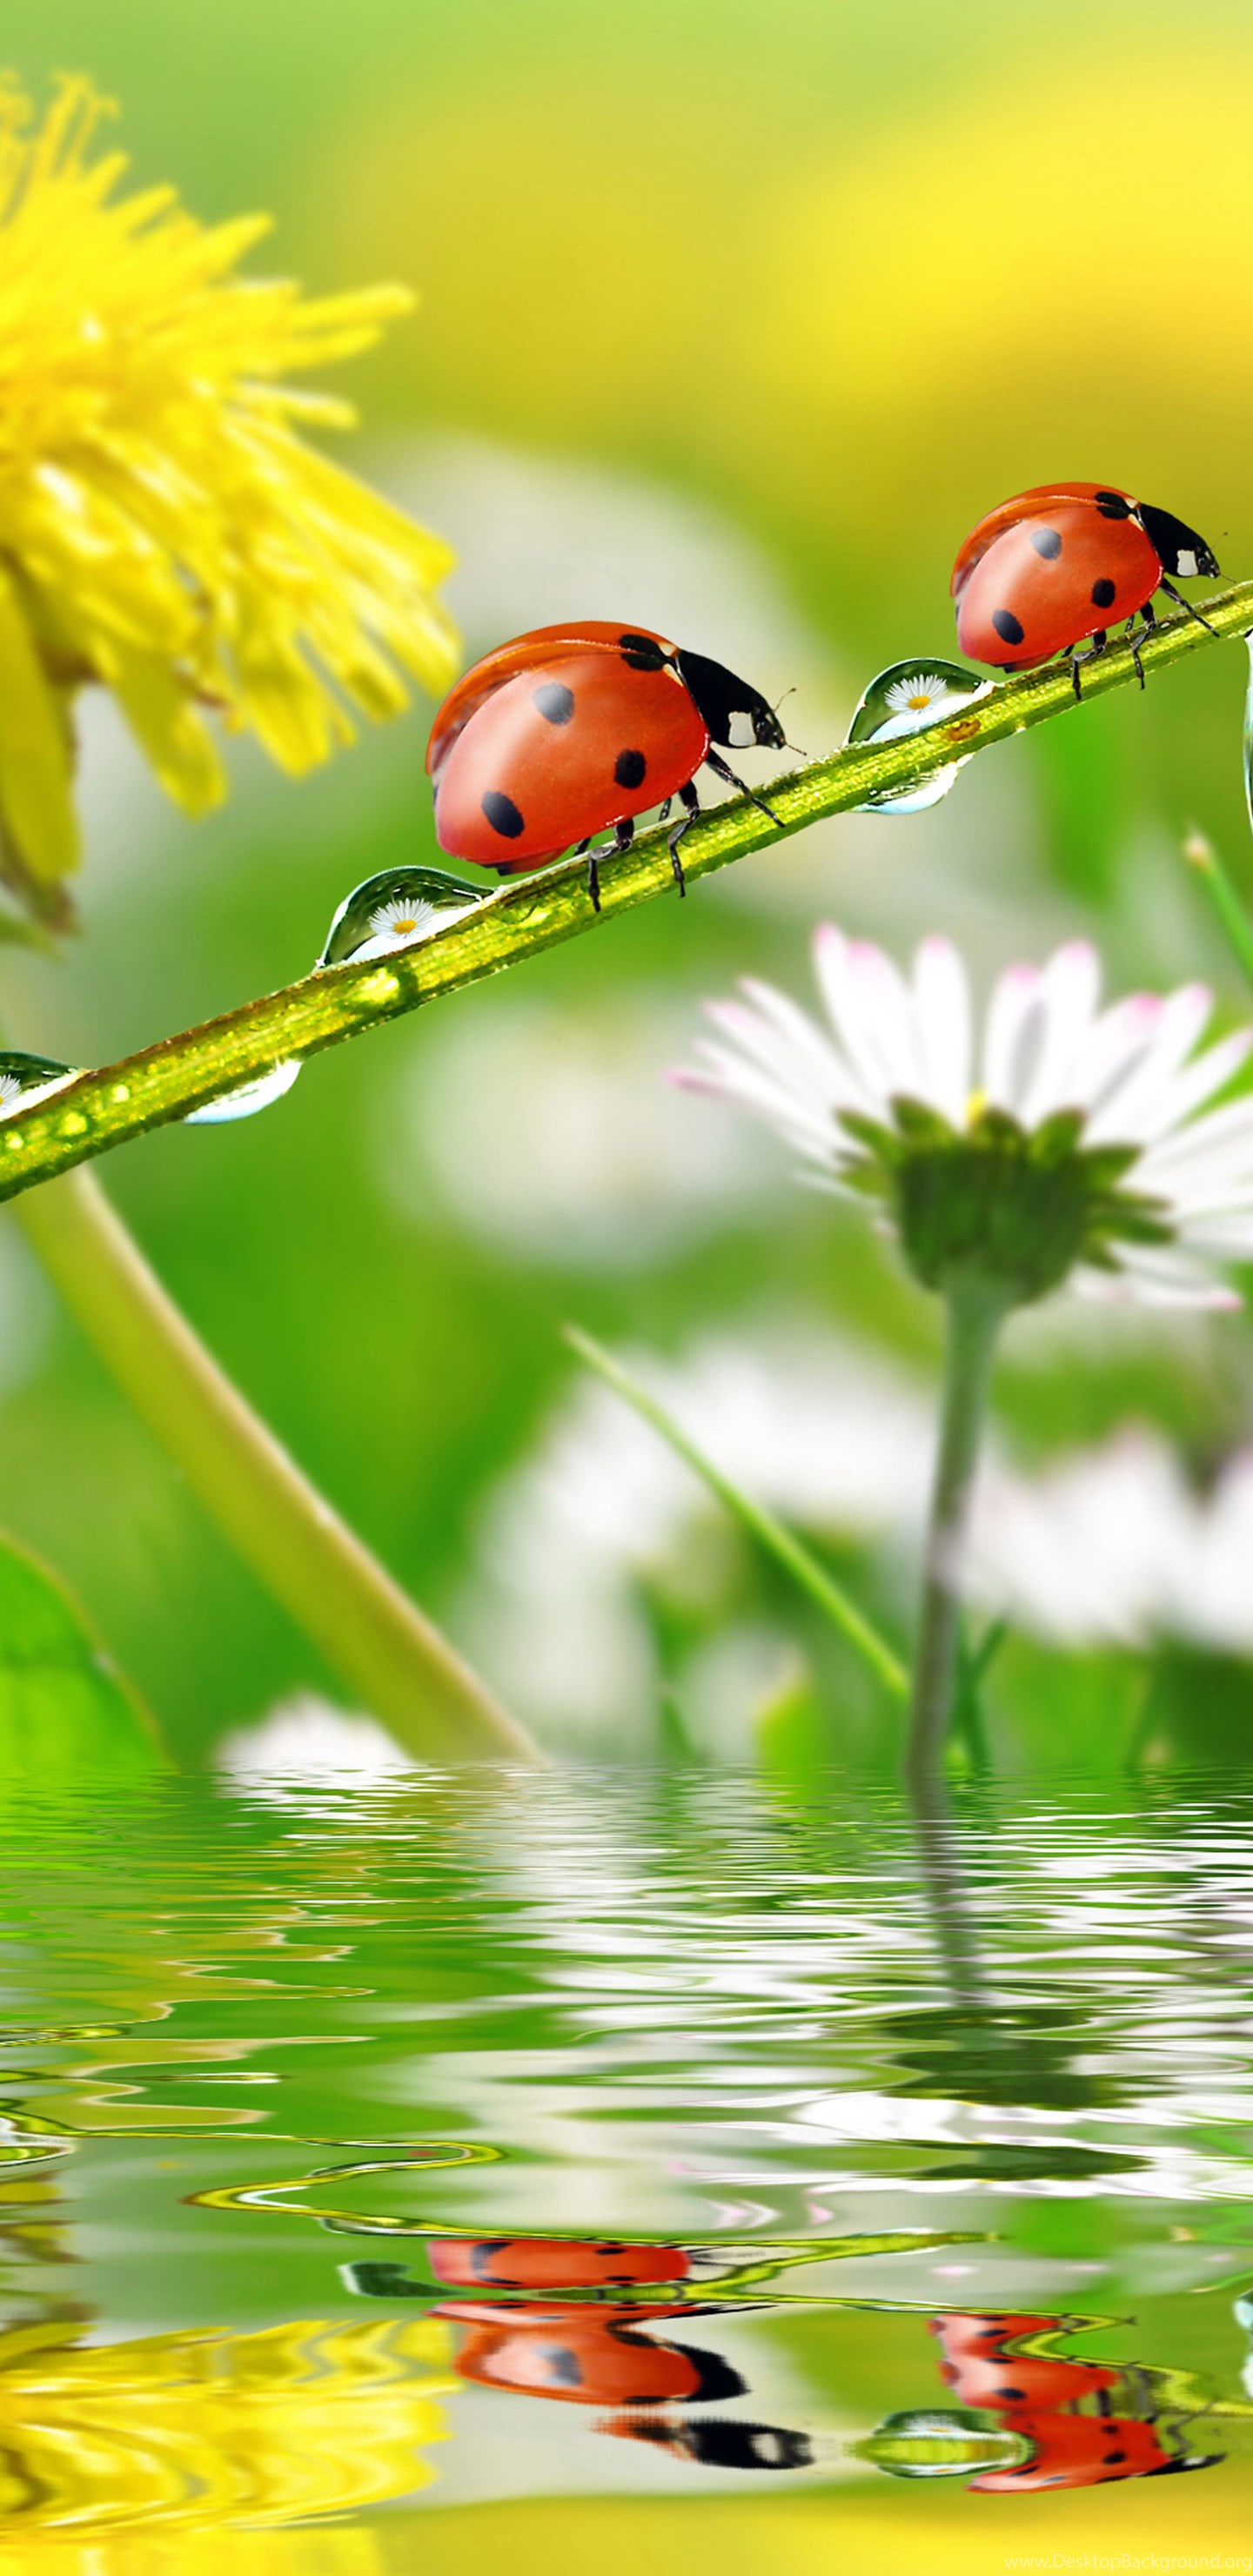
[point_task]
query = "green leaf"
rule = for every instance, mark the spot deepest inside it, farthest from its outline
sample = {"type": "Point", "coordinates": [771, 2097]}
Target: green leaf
{"type": "Point", "coordinates": [63, 1706]}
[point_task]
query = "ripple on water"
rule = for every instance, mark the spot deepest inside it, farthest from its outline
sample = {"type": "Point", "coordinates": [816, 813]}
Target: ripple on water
{"type": "Point", "coordinates": [336, 2123]}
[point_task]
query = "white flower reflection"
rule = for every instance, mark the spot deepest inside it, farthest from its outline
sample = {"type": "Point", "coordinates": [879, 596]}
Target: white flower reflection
{"type": "Point", "coordinates": [915, 695]}
{"type": "Point", "coordinates": [1047, 1047]}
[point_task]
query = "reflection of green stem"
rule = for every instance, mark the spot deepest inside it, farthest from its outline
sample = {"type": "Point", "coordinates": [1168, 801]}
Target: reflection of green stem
{"type": "Point", "coordinates": [1234, 920]}
{"type": "Point", "coordinates": [376, 1639]}
{"type": "Point", "coordinates": [104, 1109]}
{"type": "Point", "coordinates": [974, 1315]}
{"type": "Point", "coordinates": [761, 1525]}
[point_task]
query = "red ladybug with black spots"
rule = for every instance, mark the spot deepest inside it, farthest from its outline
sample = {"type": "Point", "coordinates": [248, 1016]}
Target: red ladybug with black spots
{"type": "Point", "coordinates": [552, 2263]}
{"type": "Point", "coordinates": [1036, 2394]}
{"type": "Point", "coordinates": [1060, 564]}
{"type": "Point", "coordinates": [588, 2356]}
{"type": "Point", "coordinates": [577, 728]}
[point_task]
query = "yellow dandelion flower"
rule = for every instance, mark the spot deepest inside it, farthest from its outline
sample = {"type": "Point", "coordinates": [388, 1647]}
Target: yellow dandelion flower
{"type": "Point", "coordinates": [165, 530]}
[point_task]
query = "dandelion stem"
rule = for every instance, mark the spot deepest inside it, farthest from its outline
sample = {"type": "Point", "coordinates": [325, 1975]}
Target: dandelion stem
{"type": "Point", "coordinates": [378, 1641]}
{"type": "Point", "coordinates": [107, 1108]}
{"type": "Point", "coordinates": [974, 1313]}
{"type": "Point", "coordinates": [787, 1551]}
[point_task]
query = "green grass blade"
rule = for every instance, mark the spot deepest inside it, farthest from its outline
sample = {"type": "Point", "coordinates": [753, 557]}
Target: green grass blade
{"type": "Point", "coordinates": [1233, 920]}
{"type": "Point", "coordinates": [761, 1525]}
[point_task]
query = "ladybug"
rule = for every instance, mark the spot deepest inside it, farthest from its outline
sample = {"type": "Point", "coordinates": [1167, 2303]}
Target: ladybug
{"type": "Point", "coordinates": [984, 2367]}
{"type": "Point", "coordinates": [590, 2356]}
{"type": "Point", "coordinates": [551, 2263]}
{"type": "Point", "coordinates": [1059, 564]}
{"type": "Point", "coordinates": [576, 727]}
{"type": "Point", "coordinates": [1035, 2395]}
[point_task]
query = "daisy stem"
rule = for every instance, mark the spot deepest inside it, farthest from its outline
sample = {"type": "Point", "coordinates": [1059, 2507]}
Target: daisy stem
{"type": "Point", "coordinates": [387, 1652]}
{"type": "Point", "coordinates": [974, 1313]}
{"type": "Point", "coordinates": [102, 1109]}
{"type": "Point", "coordinates": [770, 1535]}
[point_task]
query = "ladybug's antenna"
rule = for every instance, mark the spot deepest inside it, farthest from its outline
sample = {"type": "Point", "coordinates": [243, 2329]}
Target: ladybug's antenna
{"type": "Point", "coordinates": [797, 747]}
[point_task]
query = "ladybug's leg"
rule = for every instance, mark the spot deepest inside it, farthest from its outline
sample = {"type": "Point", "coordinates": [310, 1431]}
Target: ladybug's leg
{"type": "Point", "coordinates": [722, 769]}
{"type": "Point", "coordinates": [1181, 602]}
{"type": "Point", "coordinates": [1097, 646]}
{"type": "Point", "coordinates": [1136, 635]}
{"type": "Point", "coordinates": [663, 811]}
{"type": "Point", "coordinates": [690, 802]}
{"type": "Point", "coordinates": [623, 835]}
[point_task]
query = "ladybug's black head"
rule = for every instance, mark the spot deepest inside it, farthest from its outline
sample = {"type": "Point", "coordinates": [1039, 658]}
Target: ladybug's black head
{"type": "Point", "coordinates": [734, 713]}
{"type": "Point", "coordinates": [718, 2442]}
{"type": "Point", "coordinates": [1178, 547]}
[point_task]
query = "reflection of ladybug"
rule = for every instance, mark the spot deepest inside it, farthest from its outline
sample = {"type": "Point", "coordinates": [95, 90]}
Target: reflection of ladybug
{"type": "Point", "coordinates": [575, 727]}
{"type": "Point", "coordinates": [718, 2442]}
{"type": "Point", "coordinates": [1034, 2395]}
{"type": "Point", "coordinates": [551, 2263]}
{"type": "Point", "coordinates": [591, 2356]}
{"type": "Point", "coordinates": [982, 2368]}
{"type": "Point", "coordinates": [1063, 562]}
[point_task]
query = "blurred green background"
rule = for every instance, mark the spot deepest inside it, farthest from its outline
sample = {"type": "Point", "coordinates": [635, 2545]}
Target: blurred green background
{"type": "Point", "coordinates": [732, 322]}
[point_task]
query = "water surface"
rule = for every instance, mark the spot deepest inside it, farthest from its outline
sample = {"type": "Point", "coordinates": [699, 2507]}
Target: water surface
{"type": "Point", "coordinates": [584, 2166]}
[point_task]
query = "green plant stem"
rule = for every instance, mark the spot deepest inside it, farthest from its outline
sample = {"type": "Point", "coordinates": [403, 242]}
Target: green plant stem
{"type": "Point", "coordinates": [761, 1525]}
{"type": "Point", "coordinates": [381, 1645]}
{"type": "Point", "coordinates": [1233, 919]}
{"type": "Point", "coordinates": [107, 1108]}
{"type": "Point", "coordinates": [974, 1314]}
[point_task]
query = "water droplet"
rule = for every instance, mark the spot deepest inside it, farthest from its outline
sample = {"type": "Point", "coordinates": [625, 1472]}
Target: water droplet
{"type": "Point", "coordinates": [249, 1098]}
{"type": "Point", "coordinates": [396, 909]}
{"type": "Point", "coordinates": [24, 1079]}
{"type": "Point", "coordinates": [906, 698]}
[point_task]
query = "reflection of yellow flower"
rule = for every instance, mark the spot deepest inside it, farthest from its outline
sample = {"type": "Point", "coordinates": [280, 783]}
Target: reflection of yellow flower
{"type": "Point", "coordinates": [195, 2433]}
{"type": "Point", "coordinates": [163, 527]}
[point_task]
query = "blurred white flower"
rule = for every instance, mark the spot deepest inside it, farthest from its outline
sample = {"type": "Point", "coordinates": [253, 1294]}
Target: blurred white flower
{"type": "Point", "coordinates": [307, 1738]}
{"type": "Point", "coordinates": [1098, 1548]}
{"type": "Point", "coordinates": [1160, 1194]}
{"type": "Point", "coordinates": [550, 1130]}
{"type": "Point", "coordinates": [1103, 1546]}
{"type": "Point", "coordinates": [827, 1433]}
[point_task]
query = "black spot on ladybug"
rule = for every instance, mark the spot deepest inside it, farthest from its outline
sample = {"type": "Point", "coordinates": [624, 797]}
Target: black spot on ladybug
{"type": "Point", "coordinates": [503, 814]}
{"type": "Point", "coordinates": [642, 653]}
{"type": "Point", "coordinates": [1113, 506]}
{"type": "Point", "coordinates": [1103, 593]}
{"type": "Point", "coordinates": [1007, 626]}
{"type": "Point", "coordinates": [1111, 2456]}
{"type": "Point", "coordinates": [1011, 2392]}
{"type": "Point", "coordinates": [555, 702]}
{"type": "Point", "coordinates": [629, 768]}
{"type": "Point", "coordinates": [1047, 543]}
{"type": "Point", "coordinates": [563, 2365]}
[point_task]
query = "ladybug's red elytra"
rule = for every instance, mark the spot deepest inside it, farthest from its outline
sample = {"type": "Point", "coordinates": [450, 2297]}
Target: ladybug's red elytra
{"type": "Point", "coordinates": [552, 2263]}
{"type": "Point", "coordinates": [1059, 565]}
{"type": "Point", "coordinates": [1037, 2395]}
{"type": "Point", "coordinates": [577, 728]}
{"type": "Point", "coordinates": [589, 2356]}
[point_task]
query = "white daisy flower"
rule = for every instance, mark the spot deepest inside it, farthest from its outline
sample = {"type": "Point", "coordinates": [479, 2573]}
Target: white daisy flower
{"type": "Point", "coordinates": [1062, 1144]}
{"type": "Point", "coordinates": [917, 694]}
{"type": "Point", "coordinates": [10, 1092]}
{"type": "Point", "coordinates": [398, 923]}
